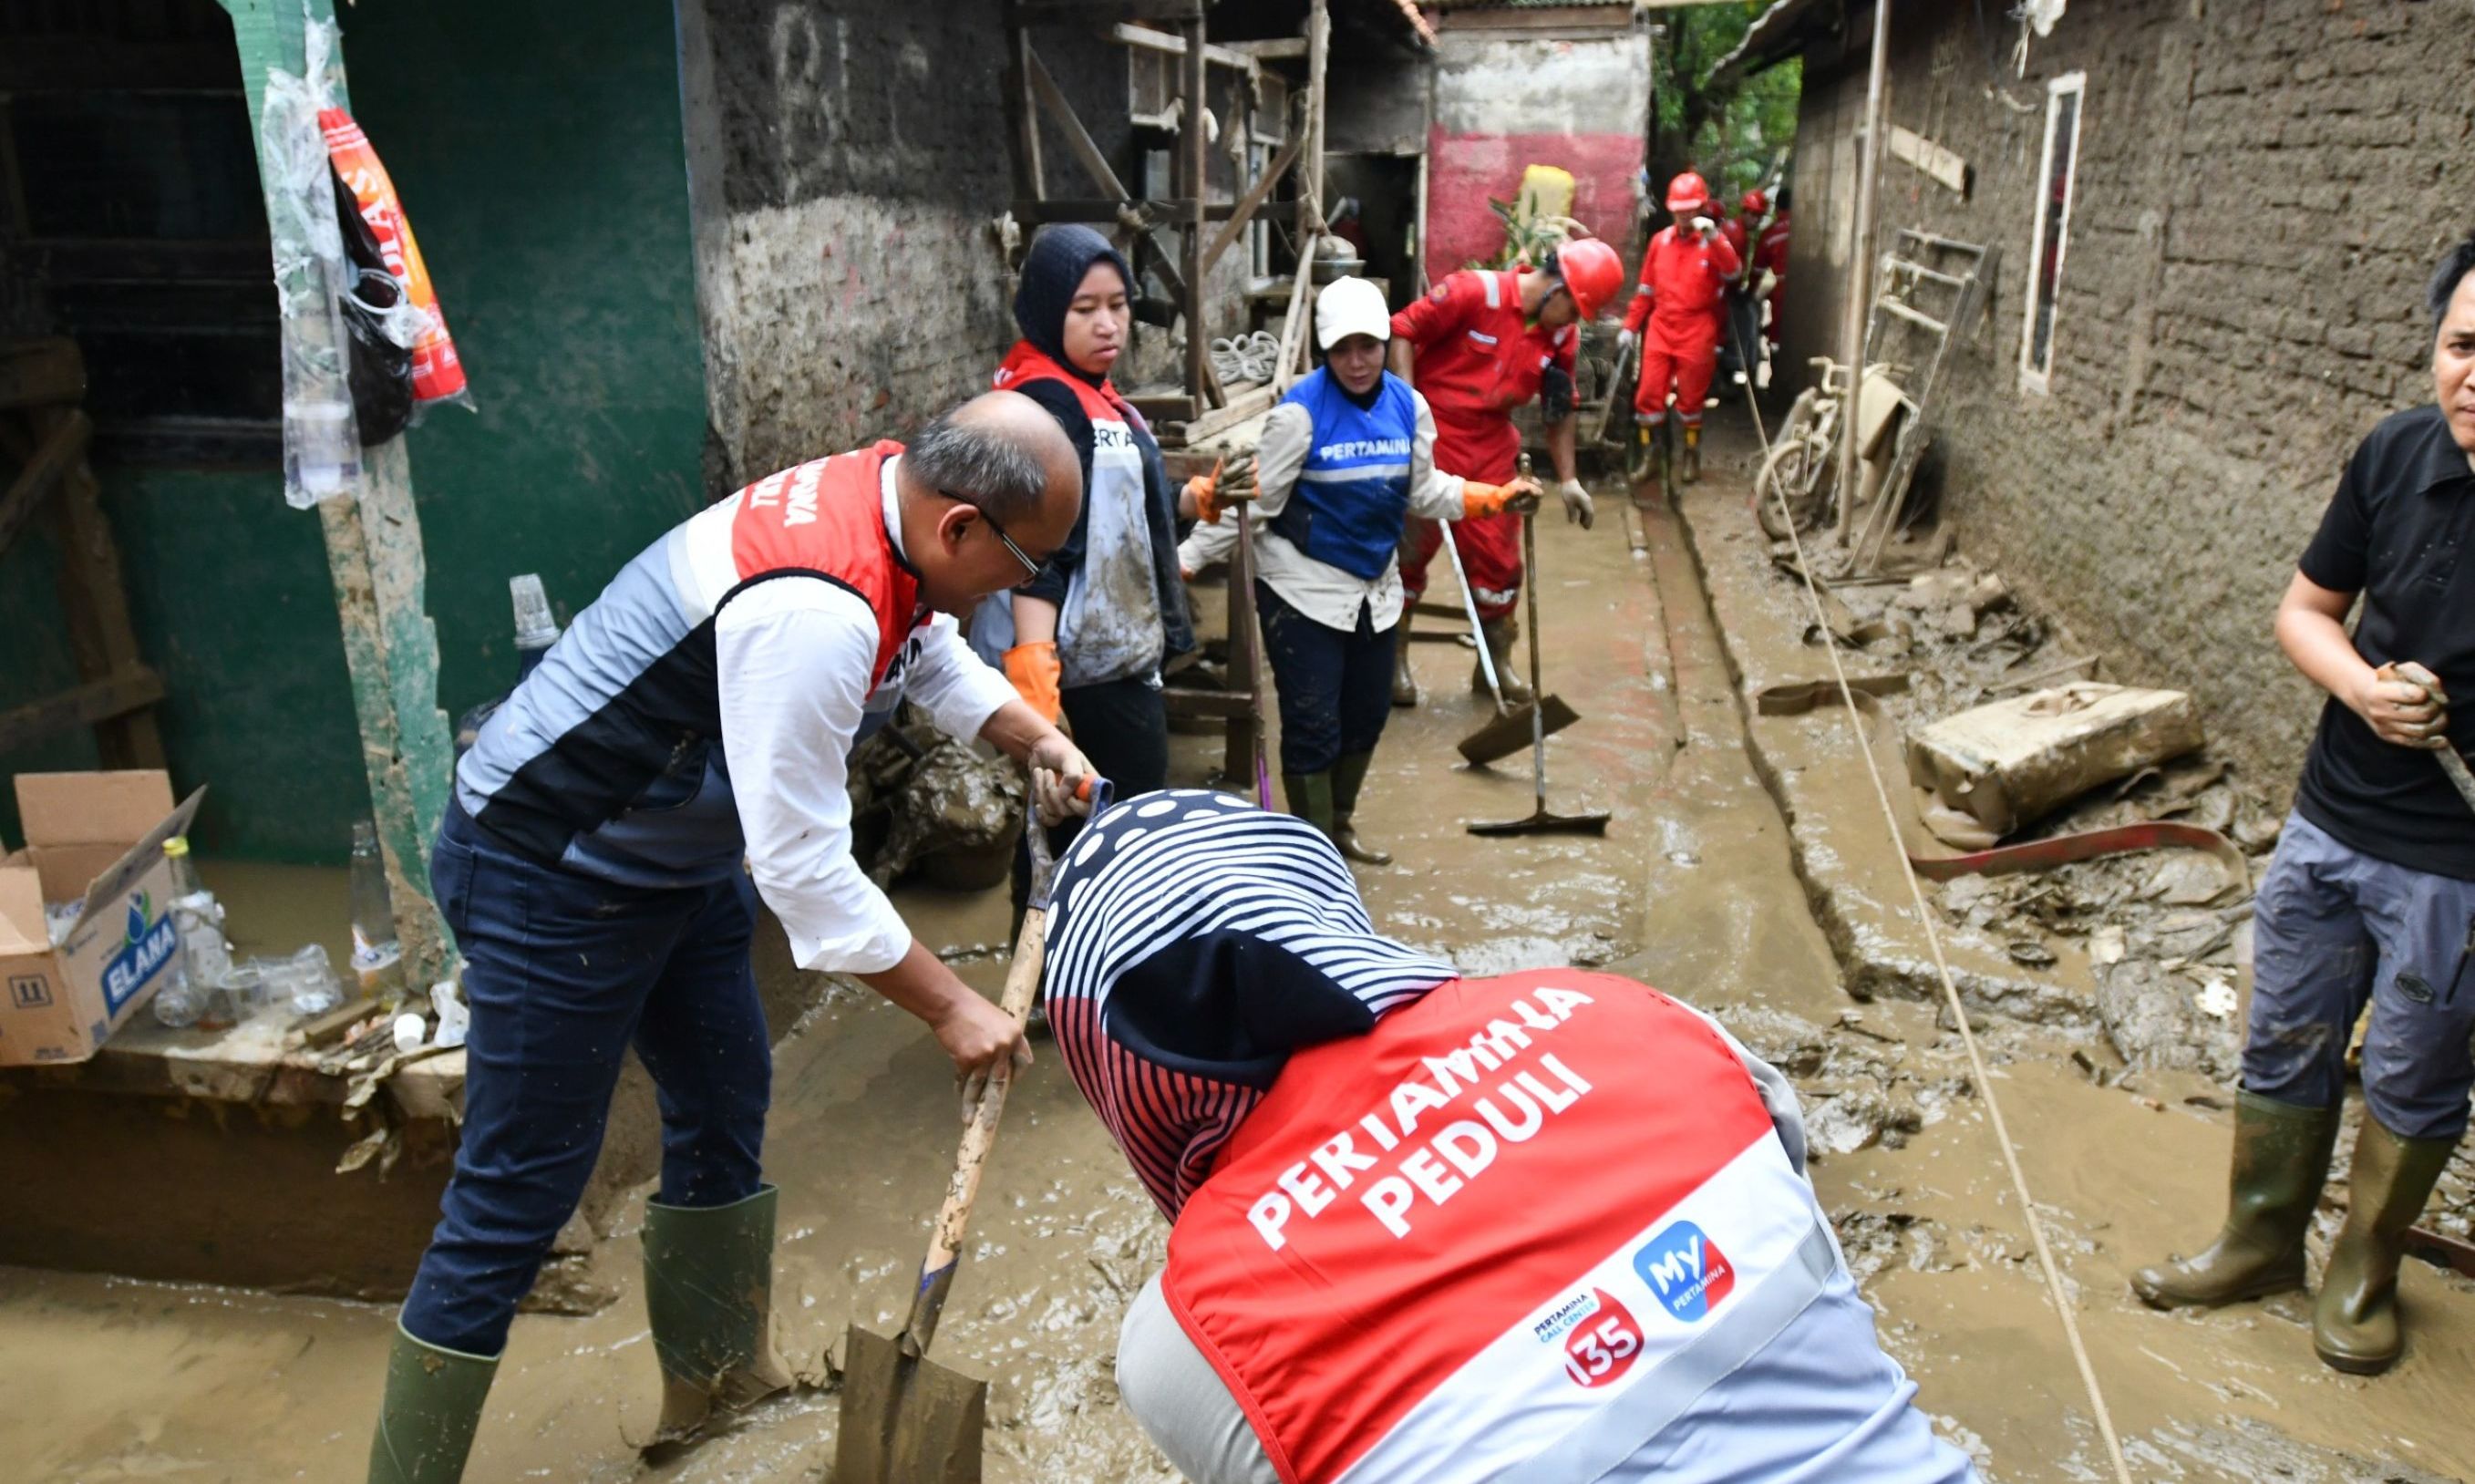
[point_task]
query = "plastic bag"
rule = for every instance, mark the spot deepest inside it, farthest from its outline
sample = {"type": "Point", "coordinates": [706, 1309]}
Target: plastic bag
{"type": "Point", "coordinates": [321, 458]}
{"type": "Point", "coordinates": [385, 329]}
{"type": "Point", "coordinates": [437, 374]}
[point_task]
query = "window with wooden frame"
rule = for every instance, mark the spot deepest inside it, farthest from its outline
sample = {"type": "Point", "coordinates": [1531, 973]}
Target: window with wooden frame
{"type": "Point", "coordinates": [2049, 233]}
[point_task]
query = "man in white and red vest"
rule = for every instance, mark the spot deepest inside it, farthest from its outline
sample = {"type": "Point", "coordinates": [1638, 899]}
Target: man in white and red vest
{"type": "Point", "coordinates": [677, 754]}
{"type": "Point", "coordinates": [1551, 1225]}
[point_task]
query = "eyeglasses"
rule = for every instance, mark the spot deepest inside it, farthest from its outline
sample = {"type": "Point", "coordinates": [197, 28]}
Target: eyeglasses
{"type": "Point", "coordinates": [1030, 566]}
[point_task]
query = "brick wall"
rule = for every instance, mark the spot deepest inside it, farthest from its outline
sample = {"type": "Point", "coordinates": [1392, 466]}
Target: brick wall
{"type": "Point", "coordinates": [2262, 188]}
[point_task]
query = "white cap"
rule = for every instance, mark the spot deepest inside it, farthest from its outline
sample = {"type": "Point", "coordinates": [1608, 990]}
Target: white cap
{"type": "Point", "coordinates": [1351, 306]}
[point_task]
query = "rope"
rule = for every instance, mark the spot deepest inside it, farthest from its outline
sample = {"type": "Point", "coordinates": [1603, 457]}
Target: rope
{"type": "Point", "coordinates": [1949, 990]}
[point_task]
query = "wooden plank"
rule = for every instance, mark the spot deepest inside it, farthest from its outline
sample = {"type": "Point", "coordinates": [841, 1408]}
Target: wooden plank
{"type": "Point", "coordinates": [1188, 703]}
{"type": "Point", "coordinates": [94, 600]}
{"type": "Point", "coordinates": [86, 705]}
{"type": "Point", "coordinates": [36, 372]}
{"type": "Point", "coordinates": [1255, 196]}
{"type": "Point", "coordinates": [1174, 407]}
{"type": "Point", "coordinates": [54, 456]}
{"type": "Point", "coordinates": [1194, 153]}
{"type": "Point", "coordinates": [1243, 403]}
{"type": "Point", "coordinates": [1941, 165]}
{"type": "Point", "coordinates": [1030, 176]}
{"type": "Point", "coordinates": [1078, 139]}
{"type": "Point", "coordinates": [1279, 48]}
{"type": "Point", "coordinates": [1162, 41]}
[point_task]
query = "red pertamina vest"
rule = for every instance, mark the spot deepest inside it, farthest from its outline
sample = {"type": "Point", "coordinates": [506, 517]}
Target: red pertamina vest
{"type": "Point", "coordinates": [1518, 1226]}
{"type": "Point", "coordinates": [824, 519]}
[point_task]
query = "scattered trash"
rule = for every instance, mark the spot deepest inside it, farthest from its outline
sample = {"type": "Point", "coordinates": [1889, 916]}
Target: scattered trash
{"type": "Point", "coordinates": [2106, 945]}
{"type": "Point", "coordinates": [2030, 952]}
{"type": "Point", "coordinates": [2217, 999]}
{"type": "Point", "coordinates": [2010, 761]}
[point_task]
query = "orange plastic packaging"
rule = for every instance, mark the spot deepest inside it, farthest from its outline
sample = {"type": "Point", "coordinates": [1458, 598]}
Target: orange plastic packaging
{"type": "Point", "coordinates": [437, 375]}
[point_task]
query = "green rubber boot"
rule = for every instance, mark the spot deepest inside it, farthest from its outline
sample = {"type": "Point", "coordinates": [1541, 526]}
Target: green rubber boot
{"type": "Point", "coordinates": [709, 1293]}
{"type": "Point", "coordinates": [432, 1408]}
{"type": "Point", "coordinates": [2281, 1160]}
{"type": "Point", "coordinates": [2355, 1323]}
{"type": "Point", "coordinates": [1348, 777]}
{"type": "Point", "coordinates": [1641, 463]}
{"type": "Point", "coordinates": [1498, 635]}
{"type": "Point", "coordinates": [1310, 797]}
{"type": "Point", "coordinates": [1691, 472]}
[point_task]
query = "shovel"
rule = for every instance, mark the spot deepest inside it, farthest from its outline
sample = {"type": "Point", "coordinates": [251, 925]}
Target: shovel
{"type": "Point", "coordinates": [905, 1418]}
{"type": "Point", "coordinates": [1540, 822]}
{"type": "Point", "coordinates": [1514, 727]}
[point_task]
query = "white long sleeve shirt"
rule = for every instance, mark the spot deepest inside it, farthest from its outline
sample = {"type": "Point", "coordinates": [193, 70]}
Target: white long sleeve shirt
{"type": "Point", "coordinates": [792, 662]}
{"type": "Point", "coordinates": [1324, 593]}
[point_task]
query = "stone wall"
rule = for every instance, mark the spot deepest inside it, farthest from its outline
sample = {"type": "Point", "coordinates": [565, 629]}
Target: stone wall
{"type": "Point", "coordinates": [2262, 188]}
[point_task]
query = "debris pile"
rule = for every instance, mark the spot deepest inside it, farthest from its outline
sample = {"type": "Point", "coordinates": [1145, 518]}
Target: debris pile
{"type": "Point", "coordinates": [920, 798]}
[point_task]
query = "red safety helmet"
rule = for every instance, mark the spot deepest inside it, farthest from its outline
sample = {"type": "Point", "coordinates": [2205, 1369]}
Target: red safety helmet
{"type": "Point", "coordinates": [1592, 274]}
{"type": "Point", "coordinates": [1757, 201]}
{"type": "Point", "coordinates": [1687, 192]}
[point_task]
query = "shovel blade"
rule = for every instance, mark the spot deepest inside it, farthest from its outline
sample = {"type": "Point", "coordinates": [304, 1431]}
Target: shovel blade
{"type": "Point", "coordinates": [905, 1421]}
{"type": "Point", "coordinates": [1510, 733]}
{"type": "Point", "coordinates": [1541, 822]}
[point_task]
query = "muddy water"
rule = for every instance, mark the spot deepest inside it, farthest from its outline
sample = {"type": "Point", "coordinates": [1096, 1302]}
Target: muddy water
{"type": "Point", "coordinates": [1693, 890]}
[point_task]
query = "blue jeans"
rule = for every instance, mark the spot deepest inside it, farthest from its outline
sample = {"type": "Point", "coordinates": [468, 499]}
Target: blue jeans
{"type": "Point", "coordinates": [2333, 928]}
{"type": "Point", "coordinates": [1335, 685]}
{"type": "Point", "coordinates": [564, 972]}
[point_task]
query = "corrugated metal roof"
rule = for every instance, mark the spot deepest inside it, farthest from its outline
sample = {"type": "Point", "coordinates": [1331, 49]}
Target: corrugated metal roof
{"type": "Point", "coordinates": [1778, 34]}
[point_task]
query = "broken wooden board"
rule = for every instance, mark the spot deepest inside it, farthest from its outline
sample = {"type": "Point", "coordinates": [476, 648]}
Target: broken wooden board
{"type": "Point", "coordinates": [2008, 761]}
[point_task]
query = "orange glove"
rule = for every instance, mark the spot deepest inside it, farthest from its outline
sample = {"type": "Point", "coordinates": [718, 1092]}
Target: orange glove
{"type": "Point", "coordinates": [1478, 499]}
{"type": "Point", "coordinates": [1034, 669]}
{"type": "Point", "coordinates": [1203, 489]}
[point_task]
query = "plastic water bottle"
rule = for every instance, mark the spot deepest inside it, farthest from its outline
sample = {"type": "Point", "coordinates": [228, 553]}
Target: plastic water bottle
{"type": "Point", "coordinates": [535, 629]}
{"type": "Point", "coordinates": [377, 958]}
{"type": "Point", "coordinates": [205, 962]}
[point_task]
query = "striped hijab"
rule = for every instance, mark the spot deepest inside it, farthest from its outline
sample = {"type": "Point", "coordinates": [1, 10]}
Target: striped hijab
{"type": "Point", "coordinates": [1196, 941]}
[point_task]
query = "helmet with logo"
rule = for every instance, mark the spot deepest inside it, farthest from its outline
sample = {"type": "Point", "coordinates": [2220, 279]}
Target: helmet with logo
{"type": "Point", "coordinates": [1757, 201]}
{"type": "Point", "coordinates": [1350, 306]}
{"type": "Point", "coordinates": [1687, 193]}
{"type": "Point", "coordinates": [1591, 272]}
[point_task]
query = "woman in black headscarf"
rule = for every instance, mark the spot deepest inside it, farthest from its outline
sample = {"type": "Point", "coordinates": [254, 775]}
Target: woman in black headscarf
{"type": "Point", "coordinates": [1086, 637]}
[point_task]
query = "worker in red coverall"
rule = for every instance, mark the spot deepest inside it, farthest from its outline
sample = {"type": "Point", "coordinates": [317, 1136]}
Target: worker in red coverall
{"type": "Point", "coordinates": [1737, 358]}
{"type": "Point", "coordinates": [1770, 257]}
{"type": "Point", "coordinates": [1679, 313]}
{"type": "Point", "coordinates": [1484, 341]}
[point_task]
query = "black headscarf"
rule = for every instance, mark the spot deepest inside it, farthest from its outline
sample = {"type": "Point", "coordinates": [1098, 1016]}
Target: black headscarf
{"type": "Point", "coordinates": [1051, 271]}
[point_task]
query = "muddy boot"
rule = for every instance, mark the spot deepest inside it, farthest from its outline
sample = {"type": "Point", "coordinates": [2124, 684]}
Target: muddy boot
{"type": "Point", "coordinates": [1498, 635]}
{"type": "Point", "coordinates": [433, 1407]}
{"type": "Point", "coordinates": [1689, 467]}
{"type": "Point", "coordinates": [1405, 685]}
{"type": "Point", "coordinates": [1641, 464]}
{"type": "Point", "coordinates": [709, 1294]}
{"type": "Point", "coordinates": [1348, 776]}
{"type": "Point", "coordinates": [2281, 1159]}
{"type": "Point", "coordinates": [2355, 1323]}
{"type": "Point", "coordinates": [1310, 797]}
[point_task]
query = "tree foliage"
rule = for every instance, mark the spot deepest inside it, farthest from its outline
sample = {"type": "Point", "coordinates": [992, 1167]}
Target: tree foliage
{"type": "Point", "coordinates": [1736, 131]}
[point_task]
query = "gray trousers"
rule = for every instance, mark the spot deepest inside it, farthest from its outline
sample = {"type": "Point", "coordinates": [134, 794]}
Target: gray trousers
{"type": "Point", "coordinates": [2333, 928]}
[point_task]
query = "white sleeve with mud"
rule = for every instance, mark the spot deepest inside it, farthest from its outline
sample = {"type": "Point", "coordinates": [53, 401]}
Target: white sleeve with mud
{"type": "Point", "coordinates": [792, 659]}
{"type": "Point", "coordinates": [1182, 1403]}
{"type": "Point", "coordinates": [952, 684]}
{"type": "Point", "coordinates": [1280, 457]}
{"type": "Point", "coordinates": [1432, 493]}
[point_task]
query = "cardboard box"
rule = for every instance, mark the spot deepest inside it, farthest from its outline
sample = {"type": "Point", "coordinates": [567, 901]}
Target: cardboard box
{"type": "Point", "coordinates": [97, 840]}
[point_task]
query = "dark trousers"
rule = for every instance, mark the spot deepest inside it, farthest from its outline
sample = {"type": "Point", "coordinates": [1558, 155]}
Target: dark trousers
{"type": "Point", "coordinates": [1122, 726]}
{"type": "Point", "coordinates": [1335, 685]}
{"type": "Point", "coordinates": [564, 972]}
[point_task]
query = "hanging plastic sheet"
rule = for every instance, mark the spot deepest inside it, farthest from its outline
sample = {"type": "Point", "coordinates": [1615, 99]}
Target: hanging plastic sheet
{"type": "Point", "coordinates": [321, 454]}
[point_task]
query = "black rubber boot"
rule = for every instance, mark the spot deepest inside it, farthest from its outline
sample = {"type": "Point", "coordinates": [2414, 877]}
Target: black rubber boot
{"type": "Point", "coordinates": [1689, 470]}
{"type": "Point", "coordinates": [709, 1294]}
{"type": "Point", "coordinates": [432, 1408]}
{"type": "Point", "coordinates": [1642, 463]}
{"type": "Point", "coordinates": [1348, 777]}
{"type": "Point", "coordinates": [1310, 797]}
{"type": "Point", "coordinates": [2355, 1325]}
{"type": "Point", "coordinates": [2281, 1159]}
{"type": "Point", "coordinates": [1405, 685]}
{"type": "Point", "coordinates": [1498, 635]}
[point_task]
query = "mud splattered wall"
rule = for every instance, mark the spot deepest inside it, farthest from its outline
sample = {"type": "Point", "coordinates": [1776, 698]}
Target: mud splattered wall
{"type": "Point", "coordinates": [1507, 101]}
{"type": "Point", "coordinates": [848, 160]}
{"type": "Point", "coordinates": [2262, 188]}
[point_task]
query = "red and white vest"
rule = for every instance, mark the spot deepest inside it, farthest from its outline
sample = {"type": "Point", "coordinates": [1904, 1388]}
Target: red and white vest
{"type": "Point", "coordinates": [1109, 627]}
{"type": "Point", "coordinates": [1511, 1232]}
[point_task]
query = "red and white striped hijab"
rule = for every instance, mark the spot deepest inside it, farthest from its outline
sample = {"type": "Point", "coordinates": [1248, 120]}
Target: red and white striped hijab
{"type": "Point", "coordinates": [1195, 943]}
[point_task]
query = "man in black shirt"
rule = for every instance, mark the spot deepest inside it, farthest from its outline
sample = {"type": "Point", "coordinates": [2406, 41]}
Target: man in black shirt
{"type": "Point", "coordinates": [2371, 897]}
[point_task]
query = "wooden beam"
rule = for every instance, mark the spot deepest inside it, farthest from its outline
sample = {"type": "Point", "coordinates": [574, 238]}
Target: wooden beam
{"type": "Point", "coordinates": [1078, 139]}
{"type": "Point", "coordinates": [87, 705]}
{"type": "Point", "coordinates": [1254, 198]}
{"type": "Point", "coordinates": [94, 600]}
{"type": "Point", "coordinates": [1318, 63]}
{"type": "Point", "coordinates": [1052, 11]}
{"type": "Point", "coordinates": [1194, 149]}
{"type": "Point", "coordinates": [54, 457]}
{"type": "Point", "coordinates": [36, 372]}
{"type": "Point", "coordinates": [1175, 46]}
{"type": "Point", "coordinates": [1279, 48]}
{"type": "Point", "coordinates": [1252, 400]}
{"type": "Point", "coordinates": [1173, 212]}
{"type": "Point", "coordinates": [1194, 702]}
{"type": "Point", "coordinates": [1030, 179]}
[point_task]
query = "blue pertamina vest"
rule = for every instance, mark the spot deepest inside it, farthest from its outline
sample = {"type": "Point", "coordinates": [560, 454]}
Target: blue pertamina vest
{"type": "Point", "coordinates": [1354, 492]}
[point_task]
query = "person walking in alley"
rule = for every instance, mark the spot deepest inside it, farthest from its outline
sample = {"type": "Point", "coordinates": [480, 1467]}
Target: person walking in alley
{"type": "Point", "coordinates": [1770, 257]}
{"type": "Point", "coordinates": [2372, 896]}
{"type": "Point", "coordinates": [590, 861]}
{"type": "Point", "coordinates": [1433, 1227]}
{"type": "Point", "coordinates": [1481, 343]}
{"type": "Point", "coordinates": [1678, 316]}
{"type": "Point", "coordinates": [1347, 455]}
{"type": "Point", "coordinates": [1085, 640]}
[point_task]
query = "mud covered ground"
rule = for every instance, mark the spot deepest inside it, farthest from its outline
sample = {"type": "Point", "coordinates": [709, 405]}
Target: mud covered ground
{"type": "Point", "coordinates": [1700, 887]}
